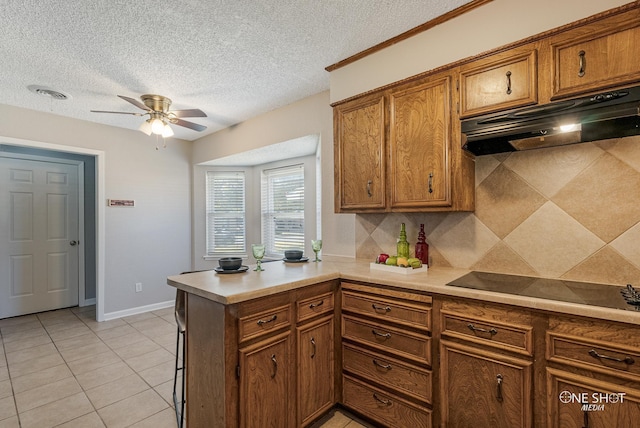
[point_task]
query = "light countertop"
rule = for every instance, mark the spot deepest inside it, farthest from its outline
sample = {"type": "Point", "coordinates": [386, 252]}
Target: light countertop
{"type": "Point", "coordinates": [279, 276]}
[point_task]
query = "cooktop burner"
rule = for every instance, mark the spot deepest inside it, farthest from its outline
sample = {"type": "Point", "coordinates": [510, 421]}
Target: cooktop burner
{"type": "Point", "coordinates": [608, 296]}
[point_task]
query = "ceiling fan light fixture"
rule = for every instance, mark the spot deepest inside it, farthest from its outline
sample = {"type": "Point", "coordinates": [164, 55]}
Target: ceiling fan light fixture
{"type": "Point", "coordinates": [167, 132]}
{"type": "Point", "coordinates": [146, 127]}
{"type": "Point", "coordinates": [157, 126]}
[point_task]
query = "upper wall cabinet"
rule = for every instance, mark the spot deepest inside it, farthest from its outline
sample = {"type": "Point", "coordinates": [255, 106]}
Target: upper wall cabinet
{"type": "Point", "coordinates": [598, 56]}
{"type": "Point", "coordinates": [359, 128]}
{"type": "Point", "coordinates": [420, 145]}
{"type": "Point", "coordinates": [501, 81]}
{"type": "Point", "coordinates": [404, 139]}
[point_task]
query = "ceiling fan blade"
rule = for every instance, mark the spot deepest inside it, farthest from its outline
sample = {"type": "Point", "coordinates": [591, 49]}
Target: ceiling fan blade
{"type": "Point", "coordinates": [190, 125]}
{"type": "Point", "coordinates": [193, 112]}
{"type": "Point", "coordinates": [118, 112]}
{"type": "Point", "coordinates": [135, 103]}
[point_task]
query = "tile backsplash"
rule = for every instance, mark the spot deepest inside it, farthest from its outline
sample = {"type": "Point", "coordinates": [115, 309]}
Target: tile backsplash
{"type": "Point", "coordinates": [569, 212]}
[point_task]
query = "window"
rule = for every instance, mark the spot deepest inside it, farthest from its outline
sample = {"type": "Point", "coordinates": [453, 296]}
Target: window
{"type": "Point", "coordinates": [225, 213]}
{"type": "Point", "coordinates": [283, 209]}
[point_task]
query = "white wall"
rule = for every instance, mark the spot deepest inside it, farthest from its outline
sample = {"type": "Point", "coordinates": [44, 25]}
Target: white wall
{"type": "Point", "coordinates": [146, 243]}
{"type": "Point", "coordinates": [490, 26]}
{"type": "Point", "coordinates": [312, 115]}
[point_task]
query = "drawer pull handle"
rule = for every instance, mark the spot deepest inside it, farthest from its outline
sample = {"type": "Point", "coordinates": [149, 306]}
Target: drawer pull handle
{"type": "Point", "coordinates": [272, 319]}
{"type": "Point", "coordinates": [475, 329]}
{"type": "Point", "coordinates": [581, 63]}
{"type": "Point", "coordinates": [430, 182]}
{"type": "Point", "coordinates": [381, 400]}
{"type": "Point", "coordinates": [499, 392]}
{"type": "Point", "coordinates": [508, 83]}
{"type": "Point", "coordinates": [369, 194]}
{"type": "Point", "coordinates": [275, 366]}
{"type": "Point", "coordinates": [585, 419]}
{"type": "Point", "coordinates": [315, 305]}
{"type": "Point", "coordinates": [383, 366]}
{"type": "Point", "coordinates": [385, 335]}
{"type": "Point", "coordinates": [313, 344]}
{"type": "Point", "coordinates": [380, 308]}
{"type": "Point", "coordinates": [627, 360]}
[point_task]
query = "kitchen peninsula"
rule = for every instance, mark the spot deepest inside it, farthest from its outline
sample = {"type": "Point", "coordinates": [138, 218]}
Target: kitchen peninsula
{"type": "Point", "coordinates": [287, 344]}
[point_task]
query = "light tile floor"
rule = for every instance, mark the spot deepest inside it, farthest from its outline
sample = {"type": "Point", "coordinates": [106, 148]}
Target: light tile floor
{"type": "Point", "coordinates": [64, 369]}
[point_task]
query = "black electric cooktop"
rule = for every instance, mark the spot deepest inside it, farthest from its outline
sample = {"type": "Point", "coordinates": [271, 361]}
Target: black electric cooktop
{"type": "Point", "coordinates": [603, 295]}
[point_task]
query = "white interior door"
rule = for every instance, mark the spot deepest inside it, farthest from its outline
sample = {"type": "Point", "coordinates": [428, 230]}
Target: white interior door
{"type": "Point", "coordinates": [39, 236]}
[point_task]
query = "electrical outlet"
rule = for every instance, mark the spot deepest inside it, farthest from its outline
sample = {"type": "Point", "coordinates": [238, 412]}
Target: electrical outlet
{"type": "Point", "coordinates": [138, 287]}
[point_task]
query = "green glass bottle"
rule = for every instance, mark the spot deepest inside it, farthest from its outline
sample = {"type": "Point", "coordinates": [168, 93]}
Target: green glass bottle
{"type": "Point", "coordinates": [403, 244]}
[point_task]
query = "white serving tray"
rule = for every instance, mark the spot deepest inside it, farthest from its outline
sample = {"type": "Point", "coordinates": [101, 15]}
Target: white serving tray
{"type": "Point", "coordinates": [397, 269]}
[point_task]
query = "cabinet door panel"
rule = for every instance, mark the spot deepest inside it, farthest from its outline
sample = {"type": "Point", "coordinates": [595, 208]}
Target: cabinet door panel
{"type": "Point", "coordinates": [265, 376]}
{"type": "Point", "coordinates": [315, 369]}
{"type": "Point", "coordinates": [568, 394]}
{"type": "Point", "coordinates": [359, 151]}
{"type": "Point", "coordinates": [587, 63]}
{"type": "Point", "coordinates": [507, 81]}
{"type": "Point", "coordinates": [473, 379]}
{"type": "Point", "coordinates": [419, 147]}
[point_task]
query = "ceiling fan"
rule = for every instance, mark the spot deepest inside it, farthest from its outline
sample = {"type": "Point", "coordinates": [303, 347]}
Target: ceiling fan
{"type": "Point", "coordinates": [157, 108]}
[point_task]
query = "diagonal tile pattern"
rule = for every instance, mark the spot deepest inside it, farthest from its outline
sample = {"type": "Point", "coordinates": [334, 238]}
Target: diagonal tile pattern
{"type": "Point", "coordinates": [570, 212]}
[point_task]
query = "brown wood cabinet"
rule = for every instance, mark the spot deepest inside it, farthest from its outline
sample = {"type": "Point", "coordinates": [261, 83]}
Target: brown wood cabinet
{"type": "Point", "coordinates": [592, 375]}
{"type": "Point", "coordinates": [501, 81]}
{"type": "Point", "coordinates": [404, 139]}
{"type": "Point", "coordinates": [485, 362]}
{"type": "Point", "coordinates": [420, 144]}
{"type": "Point", "coordinates": [263, 362]}
{"type": "Point", "coordinates": [265, 379]}
{"type": "Point", "coordinates": [360, 154]}
{"type": "Point", "coordinates": [597, 56]}
{"type": "Point", "coordinates": [316, 361]}
{"type": "Point", "coordinates": [386, 355]}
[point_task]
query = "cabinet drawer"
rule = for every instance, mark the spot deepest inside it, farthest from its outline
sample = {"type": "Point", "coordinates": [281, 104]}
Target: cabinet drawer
{"type": "Point", "coordinates": [316, 305]}
{"type": "Point", "coordinates": [383, 408]}
{"type": "Point", "coordinates": [255, 325]}
{"type": "Point", "coordinates": [487, 325]}
{"type": "Point", "coordinates": [379, 336]}
{"type": "Point", "coordinates": [596, 57]}
{"type": "Point", "coordinates": [413, 315]}
{"type": "Point", "coordinates": [501, 82]}
{"type": "Point", "coordinates": [388, 372]}
{"type": "Point", "coordinates": [596, 355]}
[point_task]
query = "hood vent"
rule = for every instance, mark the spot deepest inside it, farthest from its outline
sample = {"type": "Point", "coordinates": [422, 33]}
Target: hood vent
{"type": "Point", "coordinates": [611, 114]}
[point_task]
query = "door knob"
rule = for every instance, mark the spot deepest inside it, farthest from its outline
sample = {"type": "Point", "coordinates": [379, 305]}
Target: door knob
{"type": "Point", "coordinates": [74, 243]}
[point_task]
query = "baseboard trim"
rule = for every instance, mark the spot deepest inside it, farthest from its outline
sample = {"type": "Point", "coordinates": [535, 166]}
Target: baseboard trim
{"type": "Point", "coordinates": [138, 310]}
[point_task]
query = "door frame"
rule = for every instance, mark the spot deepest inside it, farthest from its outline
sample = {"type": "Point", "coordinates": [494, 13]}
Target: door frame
{"type": "Point", "coordinates": [82, 301]}
{"type": "Point", "coordinates": [100, 207]}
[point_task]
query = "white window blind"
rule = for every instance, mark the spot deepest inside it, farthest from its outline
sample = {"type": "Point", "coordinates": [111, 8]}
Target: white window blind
{"type": "Point", "coordinates": [225, 213]}
{"type": "Point", "coordinates": [283, 209]}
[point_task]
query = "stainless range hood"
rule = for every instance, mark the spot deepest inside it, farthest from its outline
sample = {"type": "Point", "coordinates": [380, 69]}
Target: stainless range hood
{"type": "Point", "coordinates": [611, 114]}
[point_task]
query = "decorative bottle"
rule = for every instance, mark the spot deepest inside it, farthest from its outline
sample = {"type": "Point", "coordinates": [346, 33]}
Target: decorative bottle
{"type": "Point", "coordinates": [422, 248]}
{"type": "Point", "coordinates": [403, 244]}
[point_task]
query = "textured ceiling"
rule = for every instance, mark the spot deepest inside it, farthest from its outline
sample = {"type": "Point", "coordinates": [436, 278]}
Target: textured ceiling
{"type": "Point", "coordinates": [232, 59]}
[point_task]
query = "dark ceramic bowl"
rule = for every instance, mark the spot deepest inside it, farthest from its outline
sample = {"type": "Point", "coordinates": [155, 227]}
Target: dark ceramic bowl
{"type": "Point", "coordinates": [293, 254]}
{"type": "Point", "coordinates": [230, 263]}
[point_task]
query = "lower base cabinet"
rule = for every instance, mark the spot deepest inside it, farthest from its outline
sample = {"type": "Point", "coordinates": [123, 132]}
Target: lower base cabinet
{"type": "Point", "coordinates": [576, 401]}
{"type": "Point", "coordinates": [480, 388]}
{"type": "Point", "coordinates": [315, 369]}
{"type": "Point", "coordinates": [384, 409]}
{"type": "Point", "coordinates": [265, 380]}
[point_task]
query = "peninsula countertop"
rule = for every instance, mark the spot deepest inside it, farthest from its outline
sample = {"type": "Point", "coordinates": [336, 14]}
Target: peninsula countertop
{"type": "Point", "coordinates": [278, 276]}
